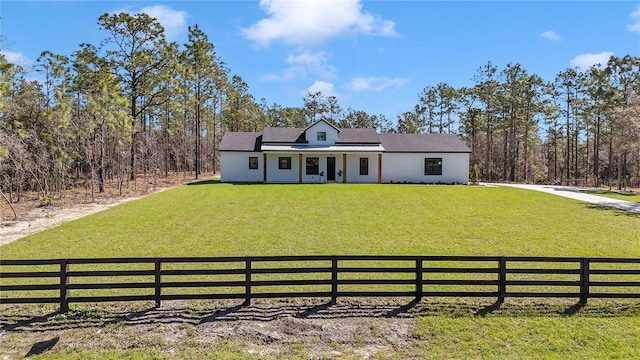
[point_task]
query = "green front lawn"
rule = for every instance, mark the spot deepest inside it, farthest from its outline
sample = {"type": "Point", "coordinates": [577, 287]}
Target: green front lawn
{"type": "Point", "coordinates": [504, 337]}
{"type": "Point", "coordinates": [212, 219]}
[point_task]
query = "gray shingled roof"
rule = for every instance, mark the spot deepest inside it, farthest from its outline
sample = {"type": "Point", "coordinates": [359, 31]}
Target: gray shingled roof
{"type": "Point", "coordinates": [295, 135]}
{"type": "Point", "coordinates": [241, 141]}
{"type": "Point", "coordinates": [358, 136]}
{"type": "Point", "coordinates": [283, 135]}
{"type": "Point", "coordinates": [446, 143]}
{"type": "Point", "coordinates": [252, 141]}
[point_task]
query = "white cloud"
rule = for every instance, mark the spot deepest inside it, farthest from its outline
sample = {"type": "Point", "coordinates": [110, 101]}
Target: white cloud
{"type": "Point", "coordinates": [585, 61]}
{"type": "Point", "coordinates": [302, 64]}
{"type": "Point", "coordinates": [316, 63]}
{"type": "Point", "coordinates": [635, 27]}
{"type": "Point", "coordinates": [174, 22]}
{"type": "Point", "coordinates": [326, 88]}
{"type": "Point", "coordinates": [19, 59]}
{"type": "Point", "coordinates": [374, 83]}
{"type": "Point", "coordinates": [550, 35]}
{"type": "Point", "coordinates": [314, 21]}
{"type": "Point", "coordinates": [288, 74]}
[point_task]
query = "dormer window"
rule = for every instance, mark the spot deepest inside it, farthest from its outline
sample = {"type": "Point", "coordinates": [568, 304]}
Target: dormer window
{"type": "Point", "coordinates": [322, 136]}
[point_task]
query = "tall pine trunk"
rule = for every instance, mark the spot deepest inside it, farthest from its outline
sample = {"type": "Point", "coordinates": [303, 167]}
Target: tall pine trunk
{"type": "Point", "coordinates": [596, 152]}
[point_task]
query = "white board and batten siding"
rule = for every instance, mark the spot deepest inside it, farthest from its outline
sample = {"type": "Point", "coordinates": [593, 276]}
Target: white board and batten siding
{"type": "Point", "coordinates": [331, 134]}
{"type": "Point", "coordinates": [396, 168]}
{"type": "Point", "coordinates": [353, 168]}
{"type": "Point", "coordinates": [234, 167]}
{"type": "Point", "coordinates": [409, 167]}
{"type": "Point", "coordinates": [283, 176]}
{"type": "Point", "coordinates": [321, 177]}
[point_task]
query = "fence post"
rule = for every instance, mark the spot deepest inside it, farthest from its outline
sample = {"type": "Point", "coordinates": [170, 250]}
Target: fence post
{"type": "Point", "coordinates": [584, 280]}
{"type": "Point", "coordinates": [334, 280]}
{"type": "Point", "coordinates": [64, 281]}
{"type": "Point", "coordinates": [502, 279]}
{"type": "Point", "coordinates": [418, 279]}
{"type": "Point", "coordinates": [247, 284]}
{"type": "Point", "coordinates": [158, 283]}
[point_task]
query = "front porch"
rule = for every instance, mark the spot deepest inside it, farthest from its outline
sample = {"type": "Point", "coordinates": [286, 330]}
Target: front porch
{"type": "Point", "coordinates": [316, 167]}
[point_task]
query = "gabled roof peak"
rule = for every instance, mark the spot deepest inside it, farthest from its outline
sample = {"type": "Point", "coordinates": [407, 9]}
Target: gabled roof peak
{"type": "Point", "coordinates": [319, 121]}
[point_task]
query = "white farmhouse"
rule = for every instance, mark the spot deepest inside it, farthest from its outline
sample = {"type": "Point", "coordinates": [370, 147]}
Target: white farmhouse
{"type": "Point", "coordinates": [323, 153]}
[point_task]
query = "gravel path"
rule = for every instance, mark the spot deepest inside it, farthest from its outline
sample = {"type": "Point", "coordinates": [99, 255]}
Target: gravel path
{"type": "Point", "coordinates": [577, 194]}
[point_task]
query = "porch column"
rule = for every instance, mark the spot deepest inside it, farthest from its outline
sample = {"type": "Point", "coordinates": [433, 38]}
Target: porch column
{"type": "Point", "coordinates": [379, 168]}
{"type": "Point", "coordinates": [344, 168]}
{"type": "Point", "coordinates": [264, 167]}
{"type": "Point", "coordinates": [300, 168]}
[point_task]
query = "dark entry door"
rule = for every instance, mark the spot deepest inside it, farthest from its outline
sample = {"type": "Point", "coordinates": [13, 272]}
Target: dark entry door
{"type": "Point", "coordinates": [331, 168]}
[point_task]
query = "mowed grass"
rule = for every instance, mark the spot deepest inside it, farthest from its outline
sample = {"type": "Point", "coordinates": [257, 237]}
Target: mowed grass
{"type": "Point", "coordinates": [213, 219]}
{"type": "Point", "coordinates": [526, 338]}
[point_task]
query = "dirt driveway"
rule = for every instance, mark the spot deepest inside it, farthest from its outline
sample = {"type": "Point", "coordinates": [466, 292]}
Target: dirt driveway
{"type": "Point", "coordinates": [45, 218]}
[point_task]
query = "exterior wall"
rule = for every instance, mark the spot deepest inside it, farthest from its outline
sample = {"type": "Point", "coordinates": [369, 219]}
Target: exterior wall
{"type": "Point", "coordinates": [234, 167]}
{"type": "Point", "coordinates": [322, 168]}
{"type": "Point", "coordinates": [275, 175]}
{"type": "Point", "coordinates": [353, 168]}
{"type": "Point", "coordinates": [409, 167]}
{"type": "Point", "coordinates": [396, 167]}
{"type": "Point", "coordinates": [312, 134]}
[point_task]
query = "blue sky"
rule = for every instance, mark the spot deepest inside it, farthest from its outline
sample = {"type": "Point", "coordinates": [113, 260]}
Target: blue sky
{"type": "Point", "coordinates": [374, 56]}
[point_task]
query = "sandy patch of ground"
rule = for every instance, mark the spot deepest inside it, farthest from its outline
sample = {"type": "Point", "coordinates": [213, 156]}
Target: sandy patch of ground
{"type": "Point", "coordinates": [268, 329]}
{"type": "Point", "coordinates": [76, 203]}
{"type": "Point", "coordinates": [48, 217]}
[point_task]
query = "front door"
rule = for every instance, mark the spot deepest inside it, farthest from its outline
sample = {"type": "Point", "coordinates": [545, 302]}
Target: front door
{"type": "Point", "coordinates": [331, 168]}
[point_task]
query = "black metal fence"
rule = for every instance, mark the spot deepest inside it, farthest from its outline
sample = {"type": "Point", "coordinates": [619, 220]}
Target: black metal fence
{"type": "Point", "coordinates": [66, 281]}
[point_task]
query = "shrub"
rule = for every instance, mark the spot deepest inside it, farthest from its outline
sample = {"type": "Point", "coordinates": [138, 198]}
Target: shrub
{"type": "Point", "coordinates": [475, 175]}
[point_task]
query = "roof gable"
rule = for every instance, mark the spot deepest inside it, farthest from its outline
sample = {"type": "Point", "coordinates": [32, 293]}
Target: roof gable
{"type": "Point", "coordinates": [319, 122]}
{"type": "Point", "coordinates": [321, 133]}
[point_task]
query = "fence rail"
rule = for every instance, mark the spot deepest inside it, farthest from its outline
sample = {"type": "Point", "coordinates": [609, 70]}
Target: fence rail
{"type": "Point", "coordinates": [66, 281]}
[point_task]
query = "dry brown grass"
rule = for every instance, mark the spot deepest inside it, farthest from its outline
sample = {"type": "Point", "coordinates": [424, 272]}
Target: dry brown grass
{"type": "Point", "coordinates": [32, 200]}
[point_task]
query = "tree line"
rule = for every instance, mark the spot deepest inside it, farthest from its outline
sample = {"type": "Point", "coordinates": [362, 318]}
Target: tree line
{"type": "Point", "coordinates": [134, 106]}
{"type": "Point", "coordinates": [581, 128]}
{"type": "Point", "coordinates": [137, 106]}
